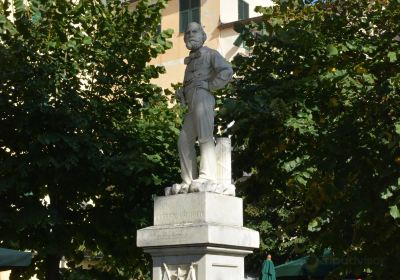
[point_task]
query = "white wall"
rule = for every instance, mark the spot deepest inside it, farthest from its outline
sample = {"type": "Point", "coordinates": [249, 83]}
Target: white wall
{"type": "Point", "coordinates": [226, 46]}
{"type": "Point", "coordinates": [230, 13]}
{"type": "Point", "coordinates": [255, 3]}
{"type": "Point", "coordinates": [229, 10]}
{"type": "Point", "coordinates": [4, 275]}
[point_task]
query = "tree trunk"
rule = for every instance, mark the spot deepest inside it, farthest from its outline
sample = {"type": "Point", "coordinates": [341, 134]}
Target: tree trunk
{"type": "Point", "coordinates": [52, 267]}
{"type": "Point", "coordinates": [52, 261]}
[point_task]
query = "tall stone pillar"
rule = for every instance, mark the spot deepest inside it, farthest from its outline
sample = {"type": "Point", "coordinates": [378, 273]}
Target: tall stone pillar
{"type": "Point", "coordinates": [198, 236]}
{"type": "Point", "coordinates": [223, 154]}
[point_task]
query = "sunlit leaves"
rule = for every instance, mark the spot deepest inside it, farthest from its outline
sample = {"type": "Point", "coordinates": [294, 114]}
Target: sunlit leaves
{"type": "Point", "coordinates": [86, 140]}
{"type": "Point", "coordinates": [332, 50]}
{"type": "Point", "coordinates": [392, 56]}
{"type": "Point", "coordinates": [397, 127]}
{"type": "Point", "coordinates": [394, 212]}
{"type": "Point", "coordinates": [330, 157]}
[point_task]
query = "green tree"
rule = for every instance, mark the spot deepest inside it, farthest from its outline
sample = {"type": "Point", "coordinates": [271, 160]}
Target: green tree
{"type": "Point", "coordinates": [85, 138]}
{"type": "Point", "coordinates": [318, 126]}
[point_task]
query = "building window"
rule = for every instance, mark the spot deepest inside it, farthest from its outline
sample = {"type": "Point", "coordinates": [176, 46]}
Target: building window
{"type": "Point", "coordinates": [243, 9]}
{"type": "Point", "coordinates": [189, 11]}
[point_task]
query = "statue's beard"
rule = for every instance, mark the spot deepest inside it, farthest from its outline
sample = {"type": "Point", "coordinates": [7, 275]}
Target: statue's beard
{"type": "Point", "coordinates": [193, 45]}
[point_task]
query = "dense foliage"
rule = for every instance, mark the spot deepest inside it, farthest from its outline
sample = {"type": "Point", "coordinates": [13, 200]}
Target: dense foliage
{"type": "Point", "coordinates": [317, 123]}
{"type": "Point", "coordinates": [85, 138]}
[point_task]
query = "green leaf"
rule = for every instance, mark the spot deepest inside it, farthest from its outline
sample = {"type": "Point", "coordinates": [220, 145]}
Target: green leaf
{"type": "Point", "coordinates": [168, 44]}
{"type": "Point", "coordinates": [301, 180]}
{"type": "Point", "coordinates": [313, 225]}
{"type": "Point", "coordinates": [87, 40]}
{"type": "Point", "coordinates": [167, 33]}
{"type": "Point", "coordinates": [71, 44]}
{"type": "Point", "coordinates": [52, 44]}
{"type": "Point", "coordinates": [8, 26]}
{"type": "Point", "coordinates": [332, 50]}
{"type": "Point", "coordinates": [394, 211]}
{"type": "Point", "coordinates": [369, 78]}
{"type": "Point", "coordinates": [19, 7]}
{"type": "Point", "coordinates": [386, 194]}
{"type": "Point", "coordinates": [392, 56]}
{"type": "Point", "coordinates": [397, 127]}
{"type": "Point", "coordinates": [350, 46]}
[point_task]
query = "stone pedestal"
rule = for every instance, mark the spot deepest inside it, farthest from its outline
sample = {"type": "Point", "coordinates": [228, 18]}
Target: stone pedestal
{"type": "Point", "coordinates": [198, 236]}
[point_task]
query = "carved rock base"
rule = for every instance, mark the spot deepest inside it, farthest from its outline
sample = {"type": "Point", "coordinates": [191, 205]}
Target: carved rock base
{"type": "Point", "coordinates": [197, 263]}
{"type": "Point", "coordinates": [198, 236]}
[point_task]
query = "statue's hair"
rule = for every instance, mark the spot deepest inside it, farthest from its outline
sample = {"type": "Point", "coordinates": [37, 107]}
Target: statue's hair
{"type": "Point", "coordinates": [201, 28]}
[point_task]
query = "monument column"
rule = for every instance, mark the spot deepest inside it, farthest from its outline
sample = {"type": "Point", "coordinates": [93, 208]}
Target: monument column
{"type": "Point", "coordinates": [198, 236]}
{"type": "Point", "coordinates": [198, 228]}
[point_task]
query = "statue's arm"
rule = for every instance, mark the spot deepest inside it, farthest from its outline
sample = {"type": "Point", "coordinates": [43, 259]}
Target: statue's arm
{"type": "Point", "coordinates": [180, 96]}
{"type": "Point", "coordinates": [223, 71]}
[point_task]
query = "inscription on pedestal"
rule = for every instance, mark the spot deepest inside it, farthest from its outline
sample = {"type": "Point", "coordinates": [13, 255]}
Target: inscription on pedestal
{"type": "Point", "coordinates": [177, 216]}
{"type": "Point", "coordinates": [171, 236]}
{"type": "Point", "coordinates": [198, 208]}
{"type": "Point", "coordinates": [175, 210]}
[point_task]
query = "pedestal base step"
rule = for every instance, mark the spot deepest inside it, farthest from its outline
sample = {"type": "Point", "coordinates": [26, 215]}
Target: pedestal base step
{"type": "Point", "coordinates": [170, 235]}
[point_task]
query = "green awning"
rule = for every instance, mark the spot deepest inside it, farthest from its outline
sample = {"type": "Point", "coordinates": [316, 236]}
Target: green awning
{"type": "Point", "coordinates": [307, 266]}
{"type": "Point", "coordinates": [291, 269]}
{"type": "Point", "coordinates": [12, 258]}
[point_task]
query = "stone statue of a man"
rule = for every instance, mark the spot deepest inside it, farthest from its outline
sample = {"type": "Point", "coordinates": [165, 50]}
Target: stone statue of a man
{"type": "Point", "coordinates": [206, 71]}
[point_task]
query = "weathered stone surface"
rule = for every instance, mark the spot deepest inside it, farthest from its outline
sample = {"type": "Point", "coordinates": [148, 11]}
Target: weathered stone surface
{"type": "Point", "coordinates": [207, 262]}
{"type": "Point", "coordinates": [205, 72]}
{"type": "Point", "coordinates": [189, 234]}
{"type": "Point", "coordinates": [198, 231]}
{"type": "Point", "coordinates": [202, 207]}
{"type": "Point", "coordinates": [224, 166]}
{"type": "Point", "coordinates": [198, 236]}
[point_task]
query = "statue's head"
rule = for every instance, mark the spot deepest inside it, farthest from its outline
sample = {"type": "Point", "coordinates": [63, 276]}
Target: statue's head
{"type": "Point", "coordinates": [194, 36]}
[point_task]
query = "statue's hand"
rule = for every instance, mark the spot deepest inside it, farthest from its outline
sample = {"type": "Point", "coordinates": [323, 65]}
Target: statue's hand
{"type": "Point", "coordinates": [180, 97]}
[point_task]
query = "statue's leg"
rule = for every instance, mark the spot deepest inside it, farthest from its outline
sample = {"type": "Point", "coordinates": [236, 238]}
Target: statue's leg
{"type": "Point", "coordinates": [187, 152]}
{"type": "Point", "coordinates": [204, 123]}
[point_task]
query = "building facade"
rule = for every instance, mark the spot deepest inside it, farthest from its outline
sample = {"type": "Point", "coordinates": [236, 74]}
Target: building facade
{"type": "Point", "coordinates": [217, 18]}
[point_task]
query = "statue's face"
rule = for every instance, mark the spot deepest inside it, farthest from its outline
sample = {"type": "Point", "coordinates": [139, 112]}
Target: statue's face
{"type": "Point", "coordinates": [194, 37]}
